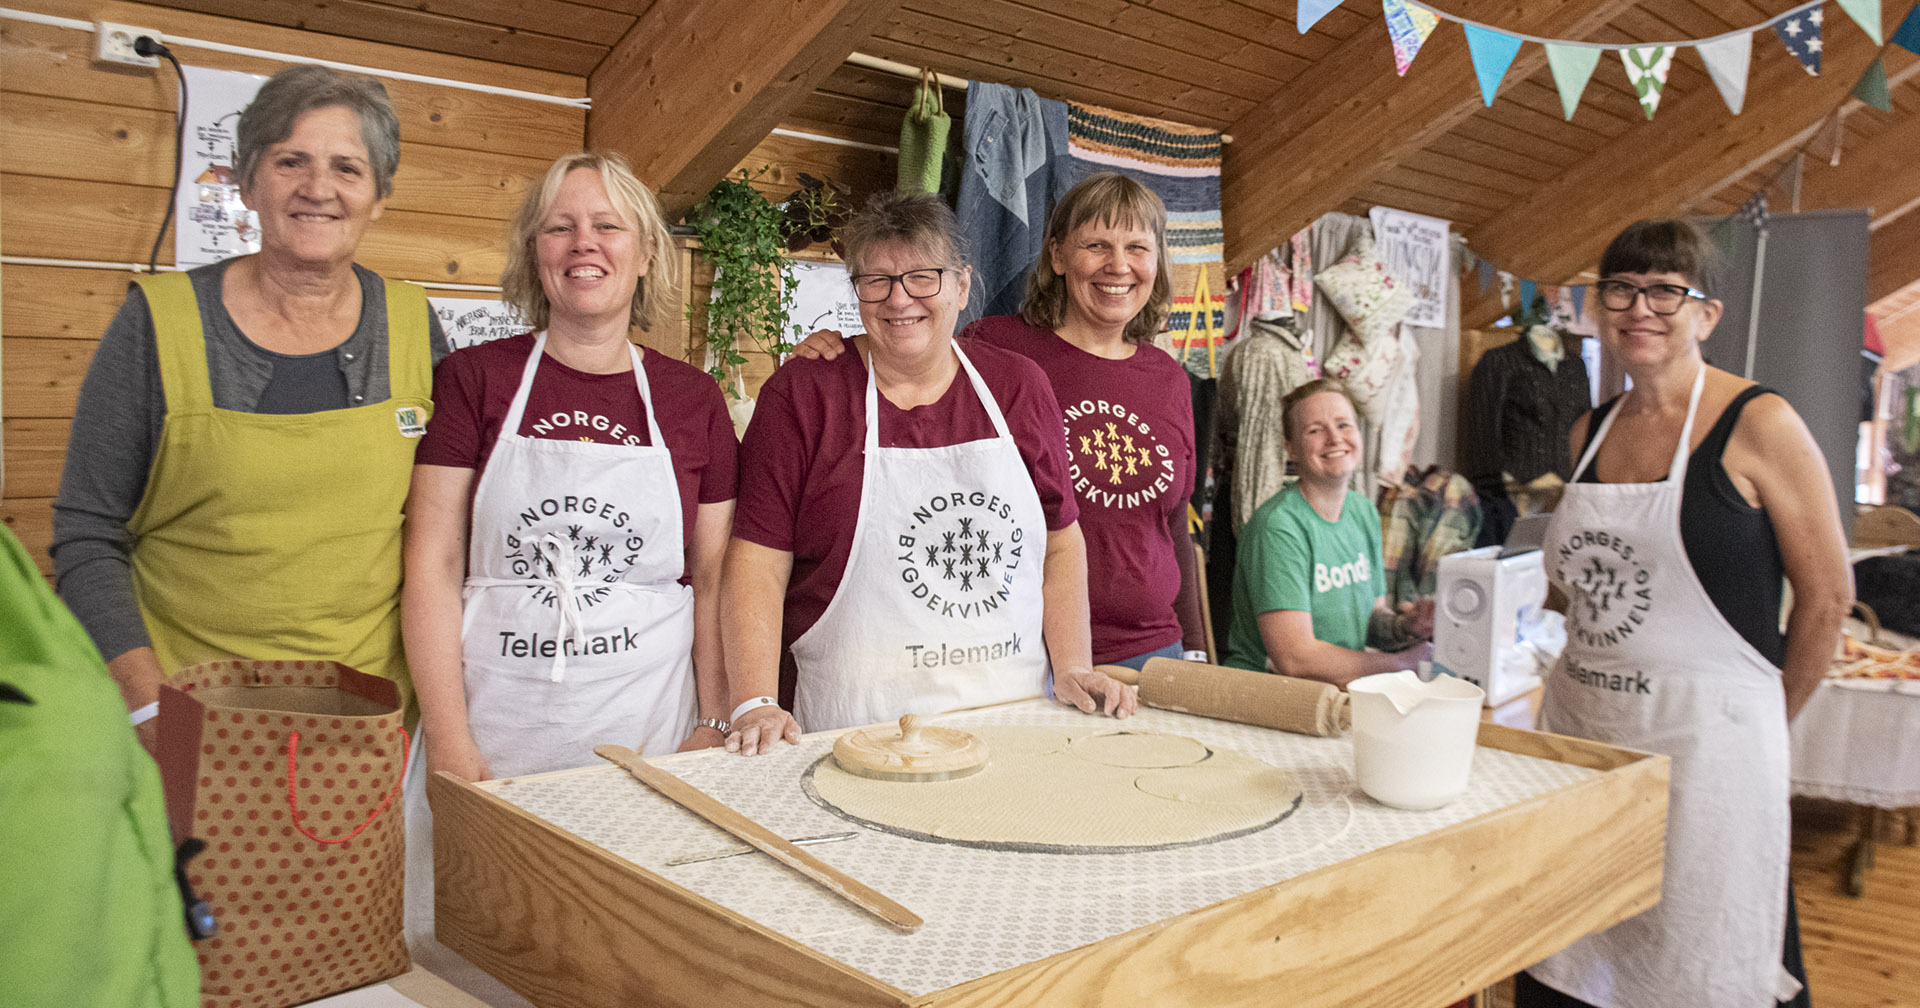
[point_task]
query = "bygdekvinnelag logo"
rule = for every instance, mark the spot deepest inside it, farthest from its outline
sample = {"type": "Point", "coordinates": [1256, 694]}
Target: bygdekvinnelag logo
{"type": "Point", "coordinates": [1609, 584]}
{"type": "Point", "coordinates": [1115, 460]}
{"type": "Point", "coordinates": [596, 545]}
{"type": "Point", "coordinates": [957, 555]}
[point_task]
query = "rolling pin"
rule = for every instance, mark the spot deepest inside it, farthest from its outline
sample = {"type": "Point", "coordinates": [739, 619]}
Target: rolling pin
{"type": "Point", "coordinates": [1230, 694]}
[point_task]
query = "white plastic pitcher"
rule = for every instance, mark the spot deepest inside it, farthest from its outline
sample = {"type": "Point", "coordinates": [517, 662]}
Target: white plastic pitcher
{"type": "Point", "coordinates": [1413, 741]}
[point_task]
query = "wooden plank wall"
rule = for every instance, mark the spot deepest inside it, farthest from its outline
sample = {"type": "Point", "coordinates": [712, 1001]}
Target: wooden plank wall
{"type": "Point", "coordinates": [86, 151]}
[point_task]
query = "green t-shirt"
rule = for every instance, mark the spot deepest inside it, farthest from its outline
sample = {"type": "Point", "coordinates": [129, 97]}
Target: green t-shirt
{"type": "Point", "coordinates": [1291, 558]}
{"type": "Point", "coordinates": [87, 890]}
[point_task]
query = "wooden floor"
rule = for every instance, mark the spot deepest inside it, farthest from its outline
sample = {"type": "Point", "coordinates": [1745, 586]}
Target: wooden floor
{"type": "Point", "coordinates": [1860, 952]}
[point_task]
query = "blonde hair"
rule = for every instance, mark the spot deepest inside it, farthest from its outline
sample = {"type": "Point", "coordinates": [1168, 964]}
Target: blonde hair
{"type": "Point", "coordinates": [1116, 200]}
{"type": "Point", "coordinates": [520, 281]}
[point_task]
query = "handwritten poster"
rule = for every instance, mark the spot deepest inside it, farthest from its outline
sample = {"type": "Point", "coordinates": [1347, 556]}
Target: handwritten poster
{"type": "Point", "coordinates": [1414, 247]}
{"type": "Point", "coordinates": [210, 222]}
{"type": "Point", "coordinates": [822, 299]}
{"type": "Point", "coordinates": [471, 321]}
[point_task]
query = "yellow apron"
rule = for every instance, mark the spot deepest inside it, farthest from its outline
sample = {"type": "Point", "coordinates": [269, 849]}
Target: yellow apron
{"type": "Point", "coordinates": [264, 536]}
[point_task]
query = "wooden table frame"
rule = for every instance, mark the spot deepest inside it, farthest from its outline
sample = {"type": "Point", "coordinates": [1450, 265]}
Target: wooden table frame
{"type": "Point", "coordinates": [1418, 924]}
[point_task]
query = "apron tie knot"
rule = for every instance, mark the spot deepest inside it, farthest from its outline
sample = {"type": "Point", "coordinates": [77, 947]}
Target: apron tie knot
{"type": "Point", "coordinates": [560, 561]}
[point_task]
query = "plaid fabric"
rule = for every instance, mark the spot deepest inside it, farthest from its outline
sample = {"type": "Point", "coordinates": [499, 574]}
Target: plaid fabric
{"type": "Point", "coordinates": [1430, 516]}
{"type": "Point", "coordinates": [1181, 164]}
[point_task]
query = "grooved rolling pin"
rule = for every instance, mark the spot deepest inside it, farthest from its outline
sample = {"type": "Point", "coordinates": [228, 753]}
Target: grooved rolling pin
{"type": "Point", "coordinates": [1230, 694]}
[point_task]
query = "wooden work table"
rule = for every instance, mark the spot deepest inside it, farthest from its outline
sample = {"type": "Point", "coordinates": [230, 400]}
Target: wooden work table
{"type": "Point", "coordinates": [558, 885]}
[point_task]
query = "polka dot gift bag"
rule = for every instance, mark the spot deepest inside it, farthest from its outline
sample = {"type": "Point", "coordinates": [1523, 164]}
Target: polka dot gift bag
{"type": "Point", "coordinates": [290, 772]}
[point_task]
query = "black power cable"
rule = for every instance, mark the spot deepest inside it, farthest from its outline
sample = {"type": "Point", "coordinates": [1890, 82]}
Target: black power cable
{"type": "Point", "coordinates": [147, 45]}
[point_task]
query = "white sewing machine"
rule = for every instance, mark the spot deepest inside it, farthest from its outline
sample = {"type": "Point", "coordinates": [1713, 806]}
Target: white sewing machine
{"type": "Point", "coordinates": [1486, 598]}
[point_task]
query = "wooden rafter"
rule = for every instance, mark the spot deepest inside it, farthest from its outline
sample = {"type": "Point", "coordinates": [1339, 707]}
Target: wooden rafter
{"type": "Point", "coordinates": [692, 87]}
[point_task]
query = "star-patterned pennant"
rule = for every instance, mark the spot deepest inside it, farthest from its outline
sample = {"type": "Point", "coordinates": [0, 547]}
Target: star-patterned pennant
{"type": "Point", "coordinates": [1409, 28]}
{"type": "Point", "coordinates": [1647, 68]}
{"type": "Point", "coordinates": [1727, 61]}
{"type": "Point", "coordinates": [1754, 212]}
{"type": "Point", "coordinates": [1492, 53]}
{"type": "Point", "coordinates": [1579, 294]}
{"type": "Point", "coordinates": [1800, 33]}
{"type": "Point", "coordinates": [1572, 67]}
{"type": "Point", "coordinates": [1866, 14]}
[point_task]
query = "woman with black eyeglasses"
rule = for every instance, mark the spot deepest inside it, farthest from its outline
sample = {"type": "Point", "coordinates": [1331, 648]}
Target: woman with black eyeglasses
{"type": "Point", "coordinates": [906, 524]}
{"type": "Point", "coordinates": [1697, 496]}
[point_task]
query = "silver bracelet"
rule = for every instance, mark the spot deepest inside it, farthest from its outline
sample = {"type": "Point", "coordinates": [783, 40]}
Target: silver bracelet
{"type": "Point", "coordinates": [712, 722]}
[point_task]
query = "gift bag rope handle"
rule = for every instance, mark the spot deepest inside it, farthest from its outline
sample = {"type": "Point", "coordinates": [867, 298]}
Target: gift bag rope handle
{"type": "Point", "coordinates": [293, 798]}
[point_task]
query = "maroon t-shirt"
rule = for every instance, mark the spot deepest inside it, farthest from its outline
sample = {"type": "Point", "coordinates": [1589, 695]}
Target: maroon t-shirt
{"type": "Point", "coordinates": [800, 461]}
{"type": "Point", "coordinates": [1129, 430]}
{"type": "Point", "coordinates": [473, 390]}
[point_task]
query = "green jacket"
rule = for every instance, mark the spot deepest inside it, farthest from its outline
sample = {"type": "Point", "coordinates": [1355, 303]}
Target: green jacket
{"type": "Point", "coordinates": [87, 889]}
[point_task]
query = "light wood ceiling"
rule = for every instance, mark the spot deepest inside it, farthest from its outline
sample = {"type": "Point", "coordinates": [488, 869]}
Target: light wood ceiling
{"type": "Point", "coordinates": [1320, 121]}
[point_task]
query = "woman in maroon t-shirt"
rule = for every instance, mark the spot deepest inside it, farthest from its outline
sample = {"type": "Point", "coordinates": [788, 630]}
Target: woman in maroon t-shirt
{"type": "Point", "coordinates": [1098, 293]}
{"type": "Point", "coordinates": [570, 506]}
{"type": "Point", "coordinates": [908, 500]}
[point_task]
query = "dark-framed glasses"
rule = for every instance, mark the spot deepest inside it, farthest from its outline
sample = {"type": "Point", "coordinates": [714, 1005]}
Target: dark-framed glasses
{"type": "Point", "coordinates": [1664, 299]}
{"type": "Point", "coordinates": [876, 287]}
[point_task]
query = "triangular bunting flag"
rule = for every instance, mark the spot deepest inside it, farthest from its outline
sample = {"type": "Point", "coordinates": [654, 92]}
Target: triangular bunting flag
{"type": "Point", "coordinates": [1800, 33]}
{"type": "Point", "coordinates": [1572, 68]}
{"type": "Point", "coordinates": [1486, 276]}
{"type": "Point", "coordinates": [1506, 289]}
{"type": "Point", "coordinates": [1492, 53]}
{"type": "Point", "coordinates": [1727, 61]}
{"type": "Point", "coordinates": [1872, 87]}
{"type": "Point", "coordinates": [1907, 36]}
{"type": "Point", "coordinates": [1866, 14]}
{"type": "Point", "coordinates": [1309, 11]}
{"type": "Point", "coordinates": [1647, 68]}
{"type": "Point", "coordinates": [1409, 28]}
{"type": "Point", "coordinates": [1579, 292]}
{"type": "Point", "coordinates": [1528, 290]}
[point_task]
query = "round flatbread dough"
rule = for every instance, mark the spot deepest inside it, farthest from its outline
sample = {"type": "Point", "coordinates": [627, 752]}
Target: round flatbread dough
{"type": "Point", "coordinates": [1225, 778]}
{"type": "Point", "coordinates": [1041, 792]}
{"type": "Point", "coordinates": [1139, 749]}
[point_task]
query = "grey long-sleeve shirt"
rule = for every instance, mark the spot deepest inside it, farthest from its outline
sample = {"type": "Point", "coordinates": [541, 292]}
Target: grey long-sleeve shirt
{"type": "Point", "coordinates": [116, 431]}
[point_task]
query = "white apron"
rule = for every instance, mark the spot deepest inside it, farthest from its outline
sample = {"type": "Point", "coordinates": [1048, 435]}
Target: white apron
{"type": "Point", "coordinates": [576, 630]}
{"type": "Point", "coordinates": [1651, 664]}
{"type": "Point", "coordinates": [940, 607]}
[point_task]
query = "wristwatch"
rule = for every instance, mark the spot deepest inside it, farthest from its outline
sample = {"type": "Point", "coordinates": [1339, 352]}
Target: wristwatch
{"type": "Point", "coordinates": [712, 722]}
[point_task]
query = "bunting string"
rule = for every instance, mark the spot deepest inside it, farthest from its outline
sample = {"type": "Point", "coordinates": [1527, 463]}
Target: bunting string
{"type": "Point", "coordinates": [1727, 56]}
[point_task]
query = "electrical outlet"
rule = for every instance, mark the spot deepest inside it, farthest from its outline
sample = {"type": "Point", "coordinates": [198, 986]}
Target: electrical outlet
{"type": "Point", "coordinates": [113, 43]}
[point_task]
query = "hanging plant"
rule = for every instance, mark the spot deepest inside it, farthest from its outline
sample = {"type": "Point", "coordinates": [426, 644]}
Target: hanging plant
{"type": "Point", "coordinates": [816, 212]}
{"type": "Point", "coordinates": [744, 237]}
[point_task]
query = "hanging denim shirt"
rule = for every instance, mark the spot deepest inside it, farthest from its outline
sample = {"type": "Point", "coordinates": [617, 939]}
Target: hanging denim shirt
{"type": "Point", "coordinates": [1016, 169]}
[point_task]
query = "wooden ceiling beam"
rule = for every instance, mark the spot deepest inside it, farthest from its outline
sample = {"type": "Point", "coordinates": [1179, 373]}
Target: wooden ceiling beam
{"type": "Point", "coordinates": [692, 87]}
{"type": "Point", "coordinates": [1893, 258]}
{"type": "Point", "coordinates": [1692, 147]}
{"type": "Point", "coordinates": [1345, 122]}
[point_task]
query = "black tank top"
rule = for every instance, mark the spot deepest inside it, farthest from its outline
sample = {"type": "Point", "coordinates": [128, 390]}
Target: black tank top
{"type": "Point", "coordinates": [1729, 542]}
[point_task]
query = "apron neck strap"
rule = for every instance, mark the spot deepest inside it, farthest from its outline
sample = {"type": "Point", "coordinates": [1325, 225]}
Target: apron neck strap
{"type": "Point", "coordinates": [511, 425]}
{"type": "Point", "coordinates": [1677, 468]}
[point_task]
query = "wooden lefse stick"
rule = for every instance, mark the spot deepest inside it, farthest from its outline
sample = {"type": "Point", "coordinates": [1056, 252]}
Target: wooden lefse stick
{"type": "Point", "coordinates": [714, 811]}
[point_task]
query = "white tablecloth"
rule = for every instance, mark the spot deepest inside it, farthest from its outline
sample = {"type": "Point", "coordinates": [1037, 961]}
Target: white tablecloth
{"type": "Point", "coordinates": [1858, 740]}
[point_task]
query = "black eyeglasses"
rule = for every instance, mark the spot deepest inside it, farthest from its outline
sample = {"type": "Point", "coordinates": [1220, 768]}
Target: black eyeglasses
{"type": "Point", "coordinates": [873, 288]}
{"type": "Point", "coordinates": [1664, 299]}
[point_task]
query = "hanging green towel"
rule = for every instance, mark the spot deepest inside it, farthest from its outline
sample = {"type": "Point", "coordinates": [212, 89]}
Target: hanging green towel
{"type": "Point", "coordinates": [923, 138]}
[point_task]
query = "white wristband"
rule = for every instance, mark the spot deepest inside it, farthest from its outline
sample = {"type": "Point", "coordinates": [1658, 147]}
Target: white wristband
{"type": "Point", "coordinates": [146, 714]}
{"type": "Point", "coordinates": [754, 704]}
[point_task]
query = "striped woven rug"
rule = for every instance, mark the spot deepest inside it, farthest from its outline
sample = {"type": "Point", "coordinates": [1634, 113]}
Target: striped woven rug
{"type": "Point", "coordinates": [1181, 164]}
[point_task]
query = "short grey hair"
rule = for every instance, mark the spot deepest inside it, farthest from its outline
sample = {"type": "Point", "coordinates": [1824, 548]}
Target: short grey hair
{"type": "Point", "coordinates": [520, 281]}
{"type": "Point", "coordinates": [921, 221]}
{"type": "Point", "coordinates": [297, 90]}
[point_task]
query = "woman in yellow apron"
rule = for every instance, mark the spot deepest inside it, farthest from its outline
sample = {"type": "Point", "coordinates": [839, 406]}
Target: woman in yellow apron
{"type": "Point", "coordinates": [242, 443]}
